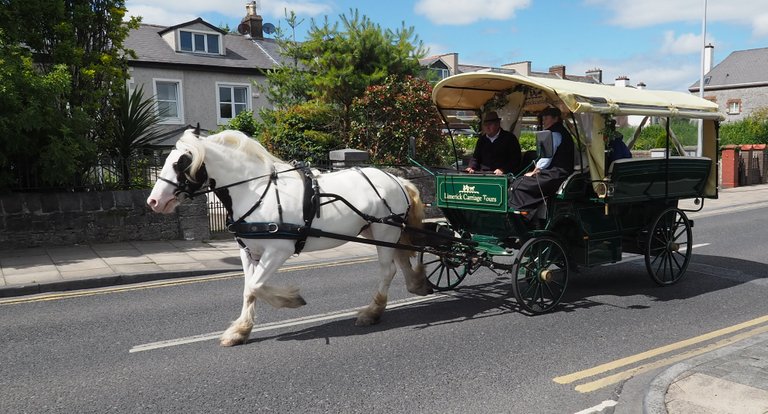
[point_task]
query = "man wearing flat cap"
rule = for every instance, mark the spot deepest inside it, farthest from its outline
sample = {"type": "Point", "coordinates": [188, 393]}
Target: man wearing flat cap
{"type": "Point", "coordinates": [497, 150]}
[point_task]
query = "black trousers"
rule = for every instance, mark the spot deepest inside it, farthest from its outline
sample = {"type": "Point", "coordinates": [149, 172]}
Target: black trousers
{"type": "Point", "coordinates": [526, 193]}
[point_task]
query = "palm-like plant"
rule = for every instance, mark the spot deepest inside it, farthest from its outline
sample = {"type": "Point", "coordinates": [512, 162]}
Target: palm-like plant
{"type": "Point", "coordinates": [135, 126]}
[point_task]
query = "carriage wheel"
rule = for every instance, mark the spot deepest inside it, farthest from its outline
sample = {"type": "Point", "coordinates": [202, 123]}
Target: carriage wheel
{"type": "Point", "coordinates": [668, 248]}
{"type": "Point", "coordinates": [443, 272]}
{"type": "Point", "coordinates": [540, 274]}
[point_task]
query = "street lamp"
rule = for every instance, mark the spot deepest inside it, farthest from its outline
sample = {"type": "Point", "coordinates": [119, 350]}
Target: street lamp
{"type": "Point", "coordinates": [700, 142]}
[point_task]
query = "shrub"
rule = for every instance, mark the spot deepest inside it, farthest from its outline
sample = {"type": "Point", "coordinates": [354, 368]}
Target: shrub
{"type": "Point", "coordinates": [750, 130]}
{"type": "Point", "coordinates": [388, 115]}
{"type": "Point", "coordinates": [301, 132]}
{"type": "Point", "coordinates": [243, 122]}
{"type": "Point", "coordinates": [527, 141]}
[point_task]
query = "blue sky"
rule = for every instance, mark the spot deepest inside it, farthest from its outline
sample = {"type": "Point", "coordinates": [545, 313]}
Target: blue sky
{"type": "Point", "coordinates": [657, 42]}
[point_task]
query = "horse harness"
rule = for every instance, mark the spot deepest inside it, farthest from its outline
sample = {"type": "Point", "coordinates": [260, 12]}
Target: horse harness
{"type": "Point", "coordinates": [189, 186]}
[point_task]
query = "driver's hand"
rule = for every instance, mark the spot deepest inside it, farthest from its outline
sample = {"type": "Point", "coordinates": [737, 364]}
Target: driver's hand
{"type": "Point", "coordinates": [469, 170]}
{"type": "Point", "coordinates": [498, 172]}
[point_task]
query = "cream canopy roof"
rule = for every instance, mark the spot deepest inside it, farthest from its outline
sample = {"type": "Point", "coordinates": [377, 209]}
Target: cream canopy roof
{"type": "Point", "coordinates": [469, 91]}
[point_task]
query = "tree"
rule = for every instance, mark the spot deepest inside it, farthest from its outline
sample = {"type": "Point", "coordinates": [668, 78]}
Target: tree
{"type": "Point", "coordinates": [325, 74]}
{"type": "Point", "coordinates": [388, 115]}
{"type": "Point", "coordinates": [345, 62]}
{"type": "Point", "coordinates": [66, 63]}
{"type": "Point", "coordinates": [135, 126]}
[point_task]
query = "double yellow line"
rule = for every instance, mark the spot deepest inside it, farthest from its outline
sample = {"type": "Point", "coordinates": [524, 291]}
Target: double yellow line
{"type": "Point", "coordinates": [167, 283]}
{"type": "Point", "coordinates": [651, 365]}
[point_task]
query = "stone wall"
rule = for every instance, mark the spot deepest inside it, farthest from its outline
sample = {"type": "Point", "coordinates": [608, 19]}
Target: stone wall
{"type": "Point", "coordinates": [424, 181]}
{"type": "Point", "coordinates": [57, 219]}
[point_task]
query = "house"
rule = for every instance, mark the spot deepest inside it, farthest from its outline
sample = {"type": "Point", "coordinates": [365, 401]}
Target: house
{"type": "Point", "coordinates": [199, 73]}
{"type": "Point", "coordinates": [442, 66]}
{"type": "Point", "coordinates": [738, 84]}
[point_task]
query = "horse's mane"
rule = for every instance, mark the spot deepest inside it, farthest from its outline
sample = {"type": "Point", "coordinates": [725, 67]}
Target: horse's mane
{"type": "Point", "coordinates": [237, 141]}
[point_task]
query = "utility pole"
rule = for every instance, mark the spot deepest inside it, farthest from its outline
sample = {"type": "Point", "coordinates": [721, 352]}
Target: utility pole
{"type": "Point", "coordinates": [700, 142]}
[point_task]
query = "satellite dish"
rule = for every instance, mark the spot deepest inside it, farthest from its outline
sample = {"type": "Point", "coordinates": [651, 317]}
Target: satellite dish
{"type": "Point", "coordinates": [243, 28]}
{"type": "Point", "coordinates": [269, 28]}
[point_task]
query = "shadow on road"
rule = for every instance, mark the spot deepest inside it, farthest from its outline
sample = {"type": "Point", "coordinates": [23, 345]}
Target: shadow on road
{"type": "Point", "coordinates": [587, 289]}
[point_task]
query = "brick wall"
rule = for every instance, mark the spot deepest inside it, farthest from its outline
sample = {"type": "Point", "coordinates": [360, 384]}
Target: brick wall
{"type": "Point", "coordinates": [56, 219]}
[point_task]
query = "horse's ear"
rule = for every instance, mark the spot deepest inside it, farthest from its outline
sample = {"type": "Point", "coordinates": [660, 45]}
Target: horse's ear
{"type": "Point", "coordinates": [197, 130]}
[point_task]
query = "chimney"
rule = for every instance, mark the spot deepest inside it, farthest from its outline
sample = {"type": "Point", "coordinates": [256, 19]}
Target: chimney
{"type": "Point", "coordinates": [452, 59]}
{"type": "Point", "coordinates": [558, 70]}
{"type": "Point", "coordinates": [523, 68]}
{"type": "Point", "coordinates": [641, 85]}
{"type": "Point", "coordinates": [709, 57]}
{"type": "Point", "coordinates": [252, 22]}
{"type": "Point", "coordinates": [596, 74]}
{"type": "Point", "coordinates": [621, 82]}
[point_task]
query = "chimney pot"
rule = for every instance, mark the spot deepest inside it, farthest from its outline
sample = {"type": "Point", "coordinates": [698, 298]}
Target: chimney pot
{"type": "Point", "coordinates": [558, 70]}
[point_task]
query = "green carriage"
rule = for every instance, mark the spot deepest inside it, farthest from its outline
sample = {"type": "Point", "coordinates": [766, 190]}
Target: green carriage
{"type": "Point", "coordinates": [598, 213]}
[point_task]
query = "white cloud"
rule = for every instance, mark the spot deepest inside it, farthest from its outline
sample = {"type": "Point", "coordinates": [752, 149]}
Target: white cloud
{"type": "Point", "coordinates": [760, 26]}
{"type": "Point", "coordinates": [302, 9]}
{"type": "Point", "coordinates": [156, 15]}
{"type": "Point", "coordinates": [170, 12]}
{"type": "Point", "coordinates": [633, 13]}
{"type": "Point", "coordinates": [684, 44]}
{"type": "Point", "coordinates": [675, 73]}
{"type": "Point", "coordinates": [461, 12]}
{"type": "Point", "coordinates": [437, 49]}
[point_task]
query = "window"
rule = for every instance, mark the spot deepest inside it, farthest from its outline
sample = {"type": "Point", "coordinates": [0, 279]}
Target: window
{"type": "Point", "coordinates": [734, 106]}
{"type": "Point", "coordinates": [169, 103]}
{"type": "Point", "coordinates": [442, 73]}
{"type": "Point", "coordinates": [232, 99]}
{"type": "Point", "coordinates": [199, 42]}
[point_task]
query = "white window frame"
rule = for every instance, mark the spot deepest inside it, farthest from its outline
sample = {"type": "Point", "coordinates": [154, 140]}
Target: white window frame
{"type": "Point", "coordinates": [219, 38]}
{"type": "Point", "coordinates": [179, 102]}
{"type": "Point", "coordinates": [442, 73]}
{"type": "Point", "coordinates": [732, 102]}
{"type": "Point", "coordinates": [248, 100]}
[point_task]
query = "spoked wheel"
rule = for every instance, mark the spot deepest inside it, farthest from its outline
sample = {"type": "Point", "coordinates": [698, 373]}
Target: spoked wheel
{"type": "Point", "coordinates": [668, 248]}
{"type": "Point", "coordinates": [540, 274]}
{"type": "Point", "coordinates": [443, 272]}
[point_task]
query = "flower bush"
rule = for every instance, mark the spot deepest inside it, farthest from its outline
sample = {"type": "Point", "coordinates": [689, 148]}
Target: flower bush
{"type": "Point", "coordinates": [385, 118]}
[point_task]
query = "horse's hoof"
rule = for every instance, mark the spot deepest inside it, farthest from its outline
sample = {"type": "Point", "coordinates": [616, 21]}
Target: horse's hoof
{"type": "Point", "coordinates": [298, 302]}
{"type": "Point", "coordinates": [367, 320]}
{"type": "Point", "coordinates": [231, 342]}
{"type": "Point", "coordinates": [422, 291]}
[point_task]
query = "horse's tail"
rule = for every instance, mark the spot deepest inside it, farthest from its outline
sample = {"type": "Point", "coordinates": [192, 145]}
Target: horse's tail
{"type": "Point", "coordinates": [416, 212]}
{"type": "Point", "coordinates": [415, 277]}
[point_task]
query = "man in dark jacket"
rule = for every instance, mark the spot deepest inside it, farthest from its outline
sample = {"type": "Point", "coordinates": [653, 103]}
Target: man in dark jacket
{"type": "Point", "coordinates": [497, 150]}
{"type": "Point", "coordinates": [528, 191]}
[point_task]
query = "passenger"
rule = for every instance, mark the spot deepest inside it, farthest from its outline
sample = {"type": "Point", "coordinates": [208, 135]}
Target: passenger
{"type": "Point", "coordinates": [527, 191]}
{"type": "Point", "coordinates": [496, 150]}
{"type": "Point", "coordinates": [617, 149]}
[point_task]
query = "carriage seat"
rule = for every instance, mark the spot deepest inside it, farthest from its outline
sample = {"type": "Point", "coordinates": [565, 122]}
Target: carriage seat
{"type": "Point", "coordinates": [643, 179]}
{"type": "Point", "coordinates": [575, 185]}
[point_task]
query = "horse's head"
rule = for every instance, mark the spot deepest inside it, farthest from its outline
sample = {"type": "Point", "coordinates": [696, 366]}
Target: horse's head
{"type": "Point", "coordinates": [178, 180]}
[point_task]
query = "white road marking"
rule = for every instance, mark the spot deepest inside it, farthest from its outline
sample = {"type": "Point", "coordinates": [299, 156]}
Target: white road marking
{"type": "Point", "coordinates": [598, 408]}
{"type": "Point", "coordinates": [281, 324]}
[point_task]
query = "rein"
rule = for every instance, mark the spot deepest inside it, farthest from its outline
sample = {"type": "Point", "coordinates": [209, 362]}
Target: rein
{"type": "Point", "coordinates": [180, 190]}
{"type": "Point", "coordinates": [312, 203]}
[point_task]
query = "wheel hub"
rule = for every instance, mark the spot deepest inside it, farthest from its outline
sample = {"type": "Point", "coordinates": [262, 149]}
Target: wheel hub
{"type": "Point", "coordinates": [545, 275]}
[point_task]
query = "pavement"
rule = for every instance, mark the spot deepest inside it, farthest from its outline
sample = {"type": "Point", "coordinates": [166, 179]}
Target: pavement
{"type": "Point", "coordinates": [730, 379]}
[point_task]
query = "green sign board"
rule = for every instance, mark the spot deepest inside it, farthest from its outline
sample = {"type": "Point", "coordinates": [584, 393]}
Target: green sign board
{"type": "Point", "coordinates": [472, 192]}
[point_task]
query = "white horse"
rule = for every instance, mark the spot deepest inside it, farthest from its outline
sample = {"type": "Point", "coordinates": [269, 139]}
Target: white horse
{"type": "Point", "coordinates": [231, 157]}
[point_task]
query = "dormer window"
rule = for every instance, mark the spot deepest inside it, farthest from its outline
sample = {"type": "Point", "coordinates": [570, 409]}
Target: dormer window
{"type": "Point", "coordinates": [199, 42]}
